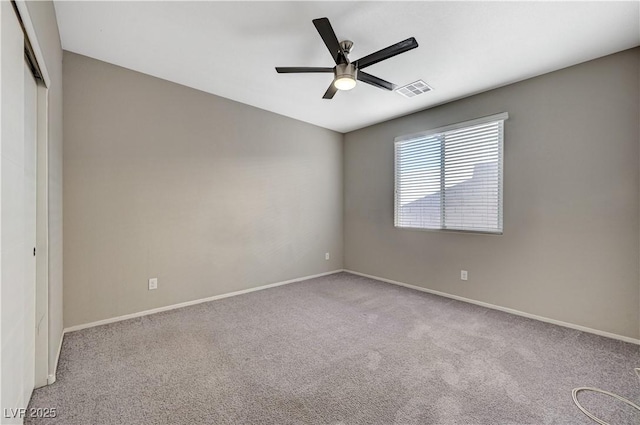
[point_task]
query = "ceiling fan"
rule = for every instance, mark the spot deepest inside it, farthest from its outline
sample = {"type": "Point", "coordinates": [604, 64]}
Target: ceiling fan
{"type": "Point", "coordinates": [346, 72]}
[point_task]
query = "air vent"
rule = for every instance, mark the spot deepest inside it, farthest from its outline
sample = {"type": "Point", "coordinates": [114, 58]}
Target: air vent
{"type": "Point", "coordinates": [414, 89]}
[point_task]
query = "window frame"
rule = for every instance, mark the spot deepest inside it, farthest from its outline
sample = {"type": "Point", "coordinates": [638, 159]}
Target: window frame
{"type": "Point", "coordinates": [503, 116]}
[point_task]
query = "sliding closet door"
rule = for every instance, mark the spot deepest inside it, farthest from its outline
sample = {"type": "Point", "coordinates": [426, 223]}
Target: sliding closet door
{"type": "Point", "coordinates": [30, 141]}
{"type": "Point", "coordinates": [17, 221]}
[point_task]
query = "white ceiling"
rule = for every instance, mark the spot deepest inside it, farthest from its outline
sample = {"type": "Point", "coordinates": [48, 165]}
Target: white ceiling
{"type": "Point", "coordinates": [231, 48]}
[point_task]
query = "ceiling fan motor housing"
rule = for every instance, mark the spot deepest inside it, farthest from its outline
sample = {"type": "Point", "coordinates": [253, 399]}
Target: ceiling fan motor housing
{"type": "Point", "coordinates": [346, 70]}
{"type": "Point", "coordinates": [345, 78]}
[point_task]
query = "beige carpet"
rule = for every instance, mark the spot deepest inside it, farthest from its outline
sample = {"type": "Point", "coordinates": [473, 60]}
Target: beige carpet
{"type": "Point", "coordinates": [340, 349]}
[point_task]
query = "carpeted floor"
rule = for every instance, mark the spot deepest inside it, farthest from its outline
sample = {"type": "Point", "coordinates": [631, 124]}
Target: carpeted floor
{"type": "Point", "coordinates": [340, 349]}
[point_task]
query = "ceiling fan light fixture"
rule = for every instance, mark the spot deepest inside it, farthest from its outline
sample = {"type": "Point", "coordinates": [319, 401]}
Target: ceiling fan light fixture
{"type": "Point", "coordinates": [345, 76]}
{"type": "Point", "coordinates": [345, 83]}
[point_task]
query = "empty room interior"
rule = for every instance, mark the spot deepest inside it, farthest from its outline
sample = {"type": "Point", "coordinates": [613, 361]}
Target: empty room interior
{"type": "Point", "coordinates": [319, 212]}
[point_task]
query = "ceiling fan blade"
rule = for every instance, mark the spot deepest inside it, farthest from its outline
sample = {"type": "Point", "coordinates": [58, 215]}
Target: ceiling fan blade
{"type": "Point", "coordinates": [331, 91]}
{"type": "Point", "coordinates": [294, 69]}
{"type": "Point", "coordinates": [391, 51]}
{"type": "Point", "coordinates": [375, 81]}
{"type": "Point", "coordinates": [330, 40]}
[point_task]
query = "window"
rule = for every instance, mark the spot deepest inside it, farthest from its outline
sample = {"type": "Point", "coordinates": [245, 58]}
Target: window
{"type": "Point", "coordinates": [450, 178]}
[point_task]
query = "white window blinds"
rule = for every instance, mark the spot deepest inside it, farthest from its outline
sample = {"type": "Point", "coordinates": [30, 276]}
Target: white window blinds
{"type": "Point", "coordinates": [451, 178]}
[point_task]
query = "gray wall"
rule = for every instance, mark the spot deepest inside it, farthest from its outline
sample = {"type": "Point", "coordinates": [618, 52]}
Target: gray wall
{"type": "Point", "coordinates": [209, 195]}
{"type": "Point", "coordinates": [44, 21]}
{"type": "Point", "coordinates": [570, 247]}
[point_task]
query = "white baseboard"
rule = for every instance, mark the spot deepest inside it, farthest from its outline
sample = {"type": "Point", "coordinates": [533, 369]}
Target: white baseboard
{"type": "Point", "coordinates": [51, 378]}
{"type": "Point", "coordinates": [189, 303]}
{"type": "Point", "coordinates": [504, 309]}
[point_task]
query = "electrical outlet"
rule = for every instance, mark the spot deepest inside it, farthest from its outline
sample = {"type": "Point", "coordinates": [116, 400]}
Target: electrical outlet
{"type": "Point", "coordinates": [327, 256]}
{"type": "Point", "coordinates": [464, 275]}
{"type": "Point", "coordinates": [153, 283]}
